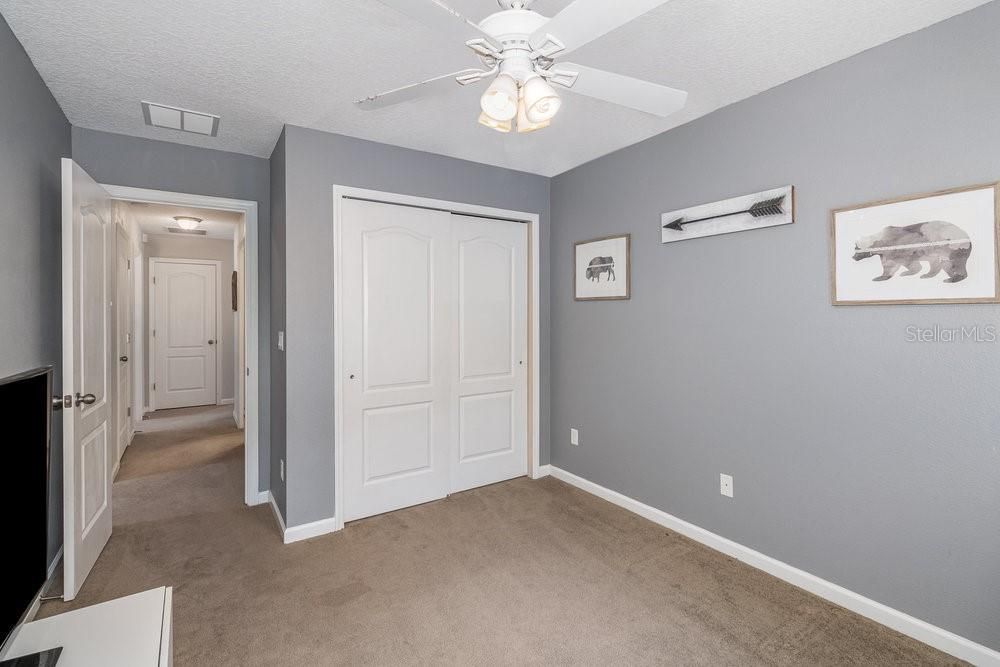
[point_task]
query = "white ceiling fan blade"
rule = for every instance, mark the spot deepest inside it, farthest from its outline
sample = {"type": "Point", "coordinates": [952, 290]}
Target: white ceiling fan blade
{"type": "Point", "coordinates": [585, 20]}
{"type": "Point", "coordinates": [426, 88]}
{"type": "Point", "coordinates": [438, 16]}
{"type": "Point", "coordinates": [625, 91]}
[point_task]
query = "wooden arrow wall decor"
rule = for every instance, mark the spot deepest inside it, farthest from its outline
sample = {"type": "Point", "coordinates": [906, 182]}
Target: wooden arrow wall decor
{"type": "Point", "coordinates": [761, 209]}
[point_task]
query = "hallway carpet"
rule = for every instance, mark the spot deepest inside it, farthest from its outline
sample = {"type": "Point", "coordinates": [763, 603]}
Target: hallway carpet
{"type": "Point", "coordinates": [522, 572]}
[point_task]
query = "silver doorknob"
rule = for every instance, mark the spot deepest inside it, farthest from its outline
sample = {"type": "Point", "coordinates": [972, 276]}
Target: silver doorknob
{"type": "Point", "coordinates": [123, 358]}
{"type": "Point", "coordinates": [211, 341]}
{"type": "Point", "coordinates": [352, 376]}
{"type": "Point", "coordinates": [88, 399]}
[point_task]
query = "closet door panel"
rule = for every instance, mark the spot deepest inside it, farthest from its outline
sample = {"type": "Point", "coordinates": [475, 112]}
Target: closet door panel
{"type": "Point", "coordinates": [396, 356]}
{"type": "Point", "coordinates": [489, 371]}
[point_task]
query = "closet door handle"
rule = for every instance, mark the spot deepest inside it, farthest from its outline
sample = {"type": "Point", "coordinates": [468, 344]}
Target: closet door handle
{"type": "Point", "coordinates": [211, 341]}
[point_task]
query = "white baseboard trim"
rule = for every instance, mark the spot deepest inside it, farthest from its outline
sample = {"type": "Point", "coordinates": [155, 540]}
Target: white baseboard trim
{"type": "Point", "coordinates": [261, 498]}
{"type": "Point", "coordinates": [277, 512]}
{"type": "Point", "coordinates": [226, 401]}
{"type": "Point", "coordinates": [310, 530]}
{"type": "Point", "coordinates": [542, 471]}
{"type": "Point", "coordinates": [306, 530]}
{"type": "Point", "coordinates": [939, 638]}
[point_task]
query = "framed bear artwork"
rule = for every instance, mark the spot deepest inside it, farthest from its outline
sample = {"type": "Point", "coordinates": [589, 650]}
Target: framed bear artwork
{"type": "Point", "coordinates": [602, 269]}
{"type": "Point", "coordinates": [939, 247]}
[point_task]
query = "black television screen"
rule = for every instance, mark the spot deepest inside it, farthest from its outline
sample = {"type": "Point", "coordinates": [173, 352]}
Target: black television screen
{"type": "Point", "coordinates": [25, 412]}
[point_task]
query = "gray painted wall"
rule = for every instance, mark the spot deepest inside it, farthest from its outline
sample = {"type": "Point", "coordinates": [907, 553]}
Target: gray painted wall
{"type": "Point", "coordinates": [862, 458]}
{"type": "Point", "coordinates": [315, 161]}
{"type": "Point", "coordinates": [116, 159]}
{"type": "Point", "coordinates": [278, 424]}
{"type": "Point", "coordinates": [34, 135]}
{"type": "Point", "coordinates": [199, 248]}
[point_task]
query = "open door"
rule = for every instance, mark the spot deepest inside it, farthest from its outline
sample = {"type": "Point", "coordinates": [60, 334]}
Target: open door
{"type": "Point", "coordinates": [88, 437]}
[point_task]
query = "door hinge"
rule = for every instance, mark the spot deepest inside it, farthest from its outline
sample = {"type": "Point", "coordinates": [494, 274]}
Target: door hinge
{"type": "Point", "coordinates": [154, 280]}
{"type": "Point", "coordinates": [128, 412]}
{"type": "Point", "coordinates": [154, 333]}
{"type": "Point", "coordinates": [128, 263]}
{"type": "Point", "coordinates": [154, 386]}
{"type": "Point", "coordinates": [248, 371]}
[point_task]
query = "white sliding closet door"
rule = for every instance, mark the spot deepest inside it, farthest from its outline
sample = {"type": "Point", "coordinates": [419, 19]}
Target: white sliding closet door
{"type": "Point", "coordinates": [489, 357]}
{"type": "Point", "coordinates": [396, 393]}
{"type": "Point", "coordinates": [434, 342]}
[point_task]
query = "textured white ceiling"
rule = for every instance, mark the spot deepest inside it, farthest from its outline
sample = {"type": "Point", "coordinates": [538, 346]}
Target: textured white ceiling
{"type": "Point", "coordinates": [154, 219]}
{"type": "Point", "coordinates": [260, 63]}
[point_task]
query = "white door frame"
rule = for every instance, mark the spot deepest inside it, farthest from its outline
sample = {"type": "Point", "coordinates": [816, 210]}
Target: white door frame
{"type": "Point", "coordinates": [251, 494]}
{"type": "Point", "coordinates": [153, 261]}
{"type": "Point", "coordinates": [341, 192]}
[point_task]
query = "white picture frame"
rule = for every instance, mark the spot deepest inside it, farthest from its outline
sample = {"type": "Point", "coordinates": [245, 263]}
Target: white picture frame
{"type": "Point", "coordinates": [602, 269]}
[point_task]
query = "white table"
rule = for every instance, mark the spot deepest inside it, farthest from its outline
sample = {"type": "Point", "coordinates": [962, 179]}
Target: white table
{"type": "Point", "coordinates": [133, 631]}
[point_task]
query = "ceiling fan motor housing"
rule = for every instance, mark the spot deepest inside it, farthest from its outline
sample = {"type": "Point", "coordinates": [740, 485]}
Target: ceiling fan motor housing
{"type": "Point", "coordinates": [512, 28]}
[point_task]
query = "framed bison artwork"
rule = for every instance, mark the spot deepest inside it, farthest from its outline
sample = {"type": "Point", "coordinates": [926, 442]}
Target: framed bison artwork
{"type": "Point", "coordinates": [939, 247]}
{"type": "Point", "coordinates": [602, 269]}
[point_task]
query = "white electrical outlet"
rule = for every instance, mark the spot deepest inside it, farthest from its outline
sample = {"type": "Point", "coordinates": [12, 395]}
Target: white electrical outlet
{"type": "Point", "coordinates": [574, 436]}
{"type": "Point", "coordinates": [726, 484]}
{"type": "Point", "coordinates": [281, 469]}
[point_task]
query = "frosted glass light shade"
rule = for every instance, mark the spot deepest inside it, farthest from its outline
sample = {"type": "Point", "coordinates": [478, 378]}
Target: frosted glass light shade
{"type": "Point", "coordinates": [523, 123]}
{"type": "Point", "coordinates": [499, 102]}
{"type": "Point", "coordinates": [540, 101]}
{"type": "Point", "coordinates": [498, 125]}
{"type": "Point", "coordinates": [186, 222]}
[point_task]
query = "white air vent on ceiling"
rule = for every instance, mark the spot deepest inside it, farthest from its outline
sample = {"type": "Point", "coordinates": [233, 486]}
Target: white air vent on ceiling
{"type": "Point", "coordinates": [175, 118]}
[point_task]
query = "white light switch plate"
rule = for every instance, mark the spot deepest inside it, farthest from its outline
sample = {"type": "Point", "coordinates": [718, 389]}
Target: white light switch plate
{"type": "Point", "coordinates": [281, 341]}
{"type": "Point", "coordinates": [726, 484]}
{"type": "Point", "coordinates": [574, 436]}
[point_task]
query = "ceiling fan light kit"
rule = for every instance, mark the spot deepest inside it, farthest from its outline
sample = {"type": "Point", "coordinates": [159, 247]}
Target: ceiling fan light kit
{"type": "Point", "coordinates": [518, 47]}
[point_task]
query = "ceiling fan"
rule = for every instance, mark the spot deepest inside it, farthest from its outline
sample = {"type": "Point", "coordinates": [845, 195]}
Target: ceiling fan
{"type": "Point", "coordinates": [518, 48]}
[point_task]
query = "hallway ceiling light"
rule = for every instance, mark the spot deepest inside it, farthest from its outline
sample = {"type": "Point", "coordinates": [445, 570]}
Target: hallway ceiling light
{"type": "Point", "coordinates": [187, 222]}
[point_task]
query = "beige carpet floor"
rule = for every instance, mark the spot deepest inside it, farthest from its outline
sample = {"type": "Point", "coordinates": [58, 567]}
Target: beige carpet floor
{"type": "Point", "coordinates": [522, 572]}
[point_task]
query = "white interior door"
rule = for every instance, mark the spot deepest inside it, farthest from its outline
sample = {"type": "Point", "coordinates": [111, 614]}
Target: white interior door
{"type": "Point", "coordinates": [185, 332]}
{"type": "Point", "coordinates": [396, 393]}
{"type": "Point", "coordinates": [489, 367]}
{"type": "Point", "coordinates": [123, 340]}
{"type": "Point", "coordinates": [88, 440]}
